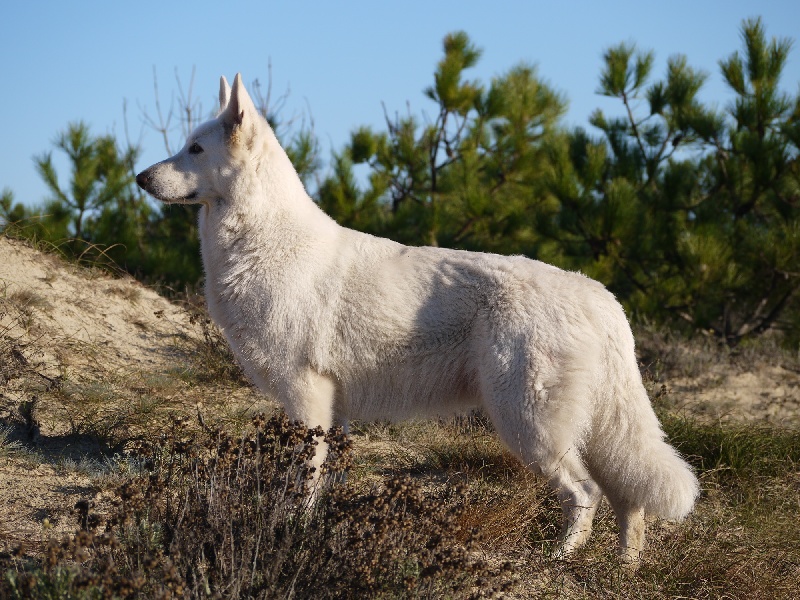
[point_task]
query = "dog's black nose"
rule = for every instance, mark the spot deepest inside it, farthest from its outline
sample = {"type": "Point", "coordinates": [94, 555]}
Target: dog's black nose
{"type": "Point", "coordinates": [142, 179]}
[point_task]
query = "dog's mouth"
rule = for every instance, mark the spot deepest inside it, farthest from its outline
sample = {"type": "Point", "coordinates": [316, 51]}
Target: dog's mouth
{"type": "Point", "coordinates": [188, 198]}
{"type": "Point", "coordinates": [179, 200]}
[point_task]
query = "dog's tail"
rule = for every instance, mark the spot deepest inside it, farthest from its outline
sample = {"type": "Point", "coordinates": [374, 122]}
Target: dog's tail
{"type": "Point", "coordinates": [640, 469]}
{"type": "Point", "coordinates": [626, 450]}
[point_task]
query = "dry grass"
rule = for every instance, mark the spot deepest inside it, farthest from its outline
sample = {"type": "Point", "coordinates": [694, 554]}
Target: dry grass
{"type": "Point", "coordinates": [742, 542]}
{"type": "Point", "coordinates": [113, 407]}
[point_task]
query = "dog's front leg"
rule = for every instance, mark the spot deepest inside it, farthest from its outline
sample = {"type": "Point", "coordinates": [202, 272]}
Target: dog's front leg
{"type": "Point", "coordinates": [309, 397]}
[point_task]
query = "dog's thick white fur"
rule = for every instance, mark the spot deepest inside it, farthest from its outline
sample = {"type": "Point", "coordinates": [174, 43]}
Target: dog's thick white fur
{"type": "Point", "coordinates": [340, 325]}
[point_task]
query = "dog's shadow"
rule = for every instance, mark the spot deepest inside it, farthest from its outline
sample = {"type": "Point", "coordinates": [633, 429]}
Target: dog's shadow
{"type": "Point", "coordinates": [53, 450]}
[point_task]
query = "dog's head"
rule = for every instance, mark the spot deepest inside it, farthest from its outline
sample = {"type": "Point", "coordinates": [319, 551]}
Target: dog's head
{"type": "Point", "coordinates": [216, 155]}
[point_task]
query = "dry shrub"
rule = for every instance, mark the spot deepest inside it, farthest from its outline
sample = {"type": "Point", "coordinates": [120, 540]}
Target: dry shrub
{"type": "Point", "coordinates": [209, 358]}
{"type": "Point", "coordinates": [229, 516]}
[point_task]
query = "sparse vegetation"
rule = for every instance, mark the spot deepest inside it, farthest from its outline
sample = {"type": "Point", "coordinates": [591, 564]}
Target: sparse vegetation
{"type": "Point", "coordinates": [212, 359]}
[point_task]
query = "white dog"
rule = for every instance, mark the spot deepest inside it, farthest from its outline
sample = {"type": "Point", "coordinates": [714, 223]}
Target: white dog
{"type": "Point", "coordinates": [342, 325]}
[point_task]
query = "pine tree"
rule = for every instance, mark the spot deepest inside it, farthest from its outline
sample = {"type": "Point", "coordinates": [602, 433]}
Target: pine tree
{"type": "Point", "coordinates": [467, 179]}
{"type": "Point", "coordinates": [98, 177]}
{"type": "Point", "coordinates": [13, 215]}
{"type": "Point", "coordinates": [755, 187]}
{"type": "Point", "coordinates": [689, 215]}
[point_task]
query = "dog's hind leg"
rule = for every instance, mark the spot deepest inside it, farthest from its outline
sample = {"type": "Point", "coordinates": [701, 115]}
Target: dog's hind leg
{"type": "Point", "coordinates": [538, 401]}
{"type": "Point", "coordinates": [556, 459]}
{"type": "Point", "coordinates": [630, 518]}
{"type": "Point", "coordinates": [580, 498]}
{"type": "Point", "coordinates": [631, 531]}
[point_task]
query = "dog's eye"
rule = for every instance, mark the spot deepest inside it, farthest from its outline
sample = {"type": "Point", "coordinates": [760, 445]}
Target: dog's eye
{"type": "Point", "coordinates": [195, 148]}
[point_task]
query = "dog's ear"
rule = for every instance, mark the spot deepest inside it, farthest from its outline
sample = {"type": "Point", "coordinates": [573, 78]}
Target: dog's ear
{"type": "Point", "coordinates": [224, 93]}
{"type": "Point", "coordinates": [240, 115]}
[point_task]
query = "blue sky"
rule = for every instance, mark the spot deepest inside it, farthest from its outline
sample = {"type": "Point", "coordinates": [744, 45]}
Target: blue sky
{"type": "Point", "coordinates": [65, 61]}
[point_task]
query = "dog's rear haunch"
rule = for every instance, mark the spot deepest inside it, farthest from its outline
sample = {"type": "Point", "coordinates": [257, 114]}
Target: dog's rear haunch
{"type": "Point", "coordinates": [339, 325]}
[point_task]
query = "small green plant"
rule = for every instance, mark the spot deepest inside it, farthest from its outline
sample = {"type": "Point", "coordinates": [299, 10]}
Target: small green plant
{"type": "Point", "coordinates": [738, 449]}
{"type": "Point", "coordinates": [8, 445]}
